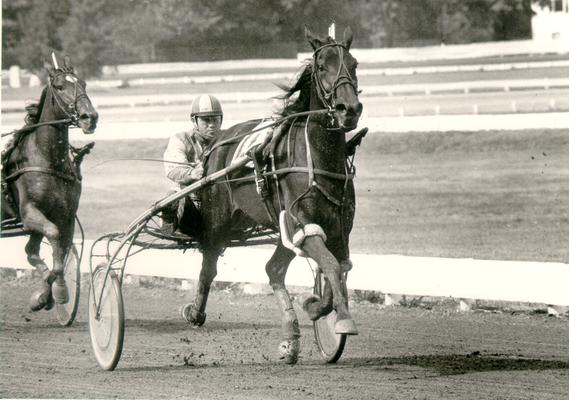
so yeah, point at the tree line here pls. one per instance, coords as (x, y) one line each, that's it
(107, 32)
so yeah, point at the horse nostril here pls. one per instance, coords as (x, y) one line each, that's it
(359, 109)
(89, 116)
(341, 108)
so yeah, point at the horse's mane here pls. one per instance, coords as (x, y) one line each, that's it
(34, 109)
(32, 117)
(302, 85)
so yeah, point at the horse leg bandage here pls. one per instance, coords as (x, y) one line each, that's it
(299, 236)
(307, 231)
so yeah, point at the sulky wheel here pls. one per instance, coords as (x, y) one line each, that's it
(106, 319)
(72, 271)
(330, 343)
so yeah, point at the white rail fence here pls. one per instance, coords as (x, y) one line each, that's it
(512, 281)
(363, 71)
(155, 99)
(429, 123)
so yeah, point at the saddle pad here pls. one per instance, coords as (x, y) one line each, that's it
(263, 130)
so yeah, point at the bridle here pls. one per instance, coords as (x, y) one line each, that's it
(343, 77)
(69, 109)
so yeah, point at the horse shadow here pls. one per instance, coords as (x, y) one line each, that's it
(172, 326)
(457, 364)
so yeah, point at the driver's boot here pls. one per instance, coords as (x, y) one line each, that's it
(169, 219)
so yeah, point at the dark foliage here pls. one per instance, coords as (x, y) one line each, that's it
(107, 32)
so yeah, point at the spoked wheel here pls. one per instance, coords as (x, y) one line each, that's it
(106, 326)
(72, 271)
(330, 343)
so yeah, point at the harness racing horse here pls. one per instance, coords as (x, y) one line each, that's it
(308, 179)
(42, 179)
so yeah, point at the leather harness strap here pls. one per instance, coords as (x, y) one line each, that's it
(49, 171)
(304, 170)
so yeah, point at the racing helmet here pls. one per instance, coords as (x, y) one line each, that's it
(206, 105)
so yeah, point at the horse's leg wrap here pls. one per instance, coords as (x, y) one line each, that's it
(59, 292)
(299, 236)
(307, 231)
(290, 326)
(289, 349)
(276, 270)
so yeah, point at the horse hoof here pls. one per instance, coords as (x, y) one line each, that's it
(192, 315)
(40, 300)
(50, 304)
(59, 292)
(346, 327)
(289, 350)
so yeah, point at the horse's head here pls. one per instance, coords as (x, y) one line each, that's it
(334, 76)
(70, 95)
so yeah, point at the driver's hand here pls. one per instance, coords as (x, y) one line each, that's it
(197, 172)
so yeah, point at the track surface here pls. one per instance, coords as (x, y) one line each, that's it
(401, 352)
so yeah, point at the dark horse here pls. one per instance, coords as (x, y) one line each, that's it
(308, 178)
(43, 182)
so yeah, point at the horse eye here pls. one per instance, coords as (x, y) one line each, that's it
(320, 67)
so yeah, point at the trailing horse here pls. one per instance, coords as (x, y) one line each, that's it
(307, 190)
(43, 181)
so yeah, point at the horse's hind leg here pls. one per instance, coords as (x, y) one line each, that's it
(41, 298)
(316, 249)
(195, 313)
(276, 270)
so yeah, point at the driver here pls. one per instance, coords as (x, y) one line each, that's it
(183, 163)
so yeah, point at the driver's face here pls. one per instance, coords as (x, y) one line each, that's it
(209, 125)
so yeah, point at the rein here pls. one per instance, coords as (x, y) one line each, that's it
(273, 124)
(26, 128)
(48, 171)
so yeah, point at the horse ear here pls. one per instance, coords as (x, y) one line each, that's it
(348, 37)
(67, 63)
(48, 67)
(313, 40)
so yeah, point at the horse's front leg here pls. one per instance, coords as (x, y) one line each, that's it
(195, 313)
(318, 307)
(276, 270)
(54, 282)
(315, 248)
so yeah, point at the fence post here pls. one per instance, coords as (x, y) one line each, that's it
(14, 75)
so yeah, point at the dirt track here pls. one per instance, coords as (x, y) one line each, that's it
(401, 353)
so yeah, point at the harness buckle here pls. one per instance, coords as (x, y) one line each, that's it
(261, 185)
